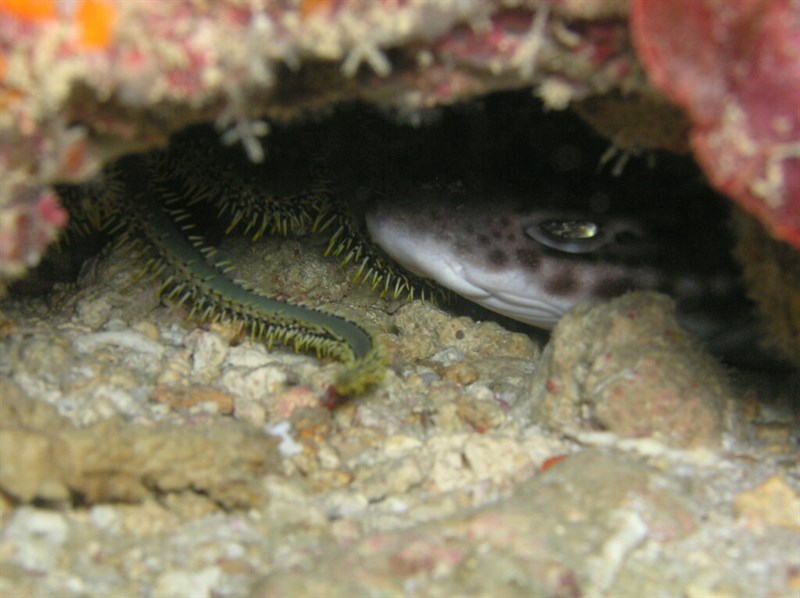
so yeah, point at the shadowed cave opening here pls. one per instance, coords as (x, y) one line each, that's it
(503, 143)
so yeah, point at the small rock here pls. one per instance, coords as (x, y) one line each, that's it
(772, 503)
(460, 373)
(249, 411)
(394, 478)
(149, 329)
(209, 354)
(27, 469)
(35, 538)
(95, 311)
(178, 583)
(254, 384)
(46, 357)
(125, 339)
(481, 415)
(627, 366)
(185, 398)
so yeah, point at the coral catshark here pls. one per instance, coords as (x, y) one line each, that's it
(532, 260)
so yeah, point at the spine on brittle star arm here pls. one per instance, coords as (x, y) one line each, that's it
(191, 278)
(354, 248)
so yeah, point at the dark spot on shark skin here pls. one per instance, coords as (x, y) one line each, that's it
(563, 283)
(498, 257)
(529, 258)
(483, 239)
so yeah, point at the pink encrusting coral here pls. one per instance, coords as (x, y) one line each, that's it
(734, 67)
(27, 225)
(82, 82)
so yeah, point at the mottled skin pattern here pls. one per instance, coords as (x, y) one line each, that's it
(510, 253)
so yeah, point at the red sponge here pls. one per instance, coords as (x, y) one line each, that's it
(734, 68)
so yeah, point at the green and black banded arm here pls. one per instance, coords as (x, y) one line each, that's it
(213, 296)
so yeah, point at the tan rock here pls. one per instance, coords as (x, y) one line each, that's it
(773, 502)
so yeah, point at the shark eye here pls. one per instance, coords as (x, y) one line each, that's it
(568, 235)
(570, 230)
